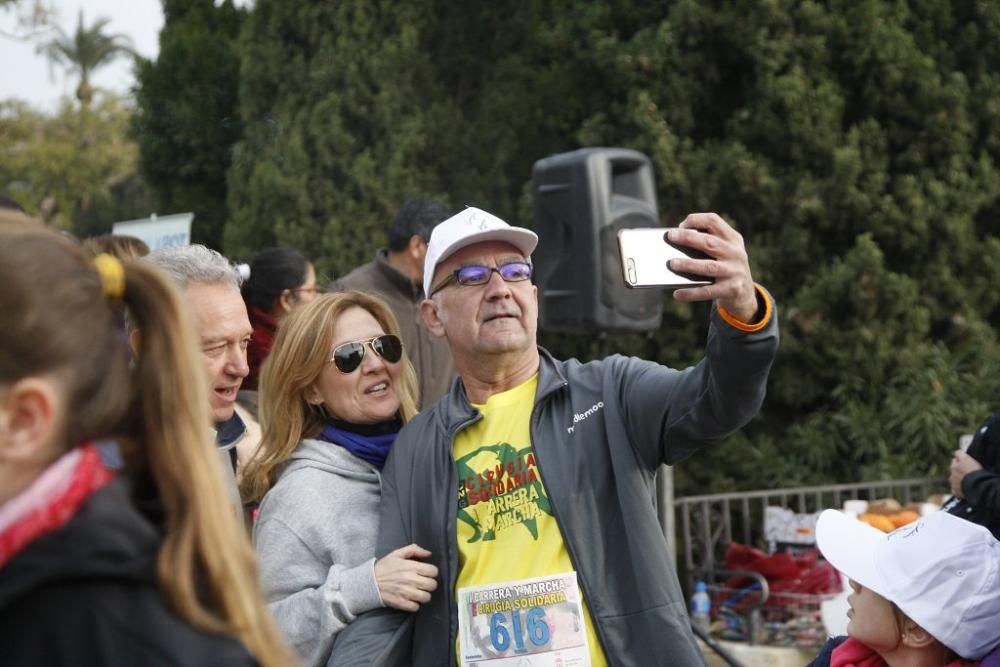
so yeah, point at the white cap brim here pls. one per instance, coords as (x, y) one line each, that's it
(524, 240)
(850, 545)
(470, 226)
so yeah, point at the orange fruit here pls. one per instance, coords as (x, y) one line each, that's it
(902, 518)
(879, 521)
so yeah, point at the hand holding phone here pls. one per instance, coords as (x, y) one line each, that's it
(646, 253)
(733, 288)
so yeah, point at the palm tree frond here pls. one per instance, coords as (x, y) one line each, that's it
(87, 50)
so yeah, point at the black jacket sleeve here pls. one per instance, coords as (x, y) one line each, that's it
(380, 636)
(982, 490)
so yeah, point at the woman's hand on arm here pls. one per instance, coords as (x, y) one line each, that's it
(404, 582)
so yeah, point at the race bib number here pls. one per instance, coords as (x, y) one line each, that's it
(526, 623)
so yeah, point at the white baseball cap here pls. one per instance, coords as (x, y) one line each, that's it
(471, 225)
(941, 571)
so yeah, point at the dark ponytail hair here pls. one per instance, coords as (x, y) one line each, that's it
(272, 271)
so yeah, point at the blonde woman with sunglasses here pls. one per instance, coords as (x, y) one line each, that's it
(334, 392)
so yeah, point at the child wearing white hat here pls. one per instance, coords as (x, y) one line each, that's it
(925, 595)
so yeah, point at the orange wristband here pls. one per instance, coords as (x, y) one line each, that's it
(750, 327)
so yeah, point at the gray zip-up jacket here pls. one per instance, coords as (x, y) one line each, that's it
(599, 431)
(315, 541)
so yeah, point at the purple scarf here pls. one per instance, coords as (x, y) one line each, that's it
(369, 442)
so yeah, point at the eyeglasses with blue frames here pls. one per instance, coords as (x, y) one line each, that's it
(347, 357)
(476, 274)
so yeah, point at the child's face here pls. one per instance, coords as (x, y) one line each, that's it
(872, 619)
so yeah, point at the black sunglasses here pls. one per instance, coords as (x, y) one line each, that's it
(347, 357)
(475, 274)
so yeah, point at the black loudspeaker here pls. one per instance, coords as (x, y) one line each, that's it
(582, 199)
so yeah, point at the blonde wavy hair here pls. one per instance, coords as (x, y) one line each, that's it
(301, 350)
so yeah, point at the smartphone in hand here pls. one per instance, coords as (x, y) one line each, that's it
(645, 252)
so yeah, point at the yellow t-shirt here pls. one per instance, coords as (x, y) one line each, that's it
(506, 529)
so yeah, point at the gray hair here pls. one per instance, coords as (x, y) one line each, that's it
(194, 264)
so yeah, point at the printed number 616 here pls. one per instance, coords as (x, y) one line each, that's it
(533, 624)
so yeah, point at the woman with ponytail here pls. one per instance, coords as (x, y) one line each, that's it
(334, 392)
(147, 568)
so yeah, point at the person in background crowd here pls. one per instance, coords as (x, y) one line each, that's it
(534, 467)
(975, 478)
(148, 569)
(121, 246)
(334, 393)
(280, 279)
(211, 289)
(396, 274)
(975, 488)
(924, 595)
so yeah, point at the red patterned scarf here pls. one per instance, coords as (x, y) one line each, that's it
(853, 653)
(51, 500)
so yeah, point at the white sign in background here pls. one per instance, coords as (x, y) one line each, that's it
(158, 231)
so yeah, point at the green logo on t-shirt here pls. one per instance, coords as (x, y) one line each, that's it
(498, 488)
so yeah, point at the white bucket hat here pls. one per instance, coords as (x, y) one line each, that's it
(472, 225)
(941, 571)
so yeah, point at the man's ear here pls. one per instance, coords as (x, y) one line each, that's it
(431, 316)
(284, 302)
(416, 252)
(915, 636)
(416, 247)
(28, 420)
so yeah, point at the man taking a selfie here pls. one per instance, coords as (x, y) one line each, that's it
(532, 482)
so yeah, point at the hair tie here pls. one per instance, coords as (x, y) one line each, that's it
(112, 274)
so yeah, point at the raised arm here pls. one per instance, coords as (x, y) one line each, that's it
(671, 412)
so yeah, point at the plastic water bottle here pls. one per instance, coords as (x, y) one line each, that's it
(701, 606)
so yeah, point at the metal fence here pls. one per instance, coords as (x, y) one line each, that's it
(708, 523)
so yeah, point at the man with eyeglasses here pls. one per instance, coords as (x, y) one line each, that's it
(532, 482)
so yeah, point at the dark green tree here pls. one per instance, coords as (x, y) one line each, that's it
(853, 143)
(186, 121)
(844, 141)
(343, 121)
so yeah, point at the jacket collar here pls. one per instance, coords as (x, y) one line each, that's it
(550, 374)
(227, 433)
(457, 410)
(395, 277)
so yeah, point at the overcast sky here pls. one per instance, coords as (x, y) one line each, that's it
(25, 74)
